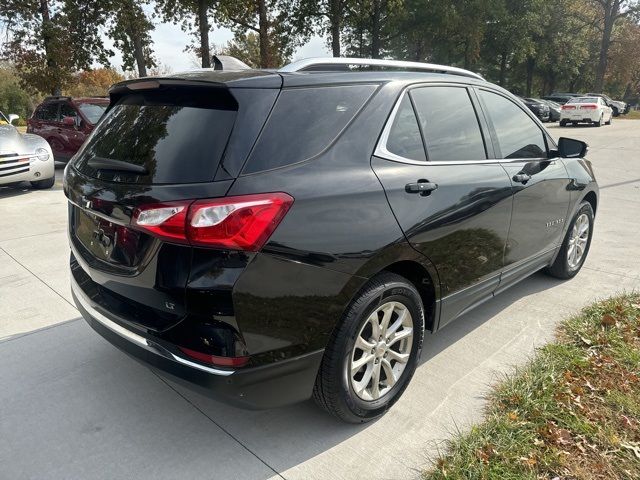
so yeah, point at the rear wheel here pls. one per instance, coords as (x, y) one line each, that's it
(374, 351)
(44, 184)
(563, 123)
(600, 121)
(610, 120)
(575, 246)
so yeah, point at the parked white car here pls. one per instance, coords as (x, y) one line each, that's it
(24, 157)
(592, 110)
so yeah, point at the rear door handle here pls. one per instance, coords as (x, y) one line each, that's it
(423, 187)
(521, 178)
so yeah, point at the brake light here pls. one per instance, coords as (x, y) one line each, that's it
(239, 223)
(214, 359)
(568, 107)
(589, 107)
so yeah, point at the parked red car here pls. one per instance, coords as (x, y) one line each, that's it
(66, 122)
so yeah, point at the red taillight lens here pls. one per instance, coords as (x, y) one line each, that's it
(166, 220)
(214, 359)
(568, 107)
(239, 223)
(589, 107)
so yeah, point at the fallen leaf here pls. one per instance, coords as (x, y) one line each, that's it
(608, 321)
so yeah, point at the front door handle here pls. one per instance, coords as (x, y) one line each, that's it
(423, 187)
(521, 178)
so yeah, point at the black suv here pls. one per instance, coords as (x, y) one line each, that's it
(269, 236)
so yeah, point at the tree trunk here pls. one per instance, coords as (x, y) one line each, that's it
(531, 65)
(334, 20)
(138, 53)
(375, 29)
(56, 88)
(203, 26)
(263, 34)
(503, 69)
(609, 19)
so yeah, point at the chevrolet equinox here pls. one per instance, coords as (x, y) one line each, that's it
(270, 236)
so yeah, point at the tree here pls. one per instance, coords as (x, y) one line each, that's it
(371, 27)
(274, 32)
(246, 47)
(93, 83)
(50, 39)
(610, 12)
(191, 14)
(130, 31)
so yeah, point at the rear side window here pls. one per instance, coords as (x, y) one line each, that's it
(67, 110)
(92, 111)
(48, 112)
(178, 135)
(304, 122)
(404, 136)
(518, 135)
(449, 124)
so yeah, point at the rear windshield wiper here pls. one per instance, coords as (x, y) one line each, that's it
(101, 163)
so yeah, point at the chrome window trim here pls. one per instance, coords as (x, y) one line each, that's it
(135, 338)
(382, 152)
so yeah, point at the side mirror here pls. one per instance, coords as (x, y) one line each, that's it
(69, 121)
(571, 148)
(13, 117)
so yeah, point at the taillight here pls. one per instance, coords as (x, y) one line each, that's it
(214, 359)
(239, 223)
(568, 107)
(589, 107)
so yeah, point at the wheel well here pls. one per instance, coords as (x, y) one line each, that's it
(592, 199)
(420, 278)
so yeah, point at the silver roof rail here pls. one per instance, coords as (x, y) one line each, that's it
(335, 63)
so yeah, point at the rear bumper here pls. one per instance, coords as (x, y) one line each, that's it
(269, 386)
(581, 117)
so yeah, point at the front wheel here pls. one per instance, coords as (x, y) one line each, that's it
(575, 246)
(563, 123)
(373, 352)
(43, 184)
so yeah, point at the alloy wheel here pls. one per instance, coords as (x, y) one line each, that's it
(578, 241)
(381, 351)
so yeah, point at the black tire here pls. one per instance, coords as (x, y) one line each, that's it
(563, 123)
(616, 112)
(44, 184)
(610, 121)
(560, 268)
(600, 122)
(333, 390)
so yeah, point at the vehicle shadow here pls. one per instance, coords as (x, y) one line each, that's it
(65, 386)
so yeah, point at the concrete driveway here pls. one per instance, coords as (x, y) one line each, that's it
(74, 407)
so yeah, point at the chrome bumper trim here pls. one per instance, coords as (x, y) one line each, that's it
(138, 339)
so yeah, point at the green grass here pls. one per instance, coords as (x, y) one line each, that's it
(573, 412)
(632, 115)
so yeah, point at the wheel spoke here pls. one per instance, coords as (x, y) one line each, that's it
(396, 325)
(389, 373)
(386, 317)
(398, 357)
(363, 345)
(375, 381)
(404, 333)
(362, 361)
(361, 385)
(375, 325)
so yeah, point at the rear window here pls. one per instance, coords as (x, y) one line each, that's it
(304, 122)
(48, 112)
(178, 135)
(584, 100)
(92, 111)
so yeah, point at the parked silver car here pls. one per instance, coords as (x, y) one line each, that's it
(24, 157)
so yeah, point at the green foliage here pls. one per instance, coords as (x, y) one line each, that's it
(246, 47)
(131, 34)
(13, 98)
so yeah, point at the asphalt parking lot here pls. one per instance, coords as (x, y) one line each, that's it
(74, 407)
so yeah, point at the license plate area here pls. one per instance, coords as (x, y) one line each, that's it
(108, 241)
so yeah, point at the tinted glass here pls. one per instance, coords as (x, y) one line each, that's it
(518, 135)
(92, 111)
(304, 122)
(449, 124)
(67, 110)
(178, 135)
(585, 100)
(404, 137)
(48, 112)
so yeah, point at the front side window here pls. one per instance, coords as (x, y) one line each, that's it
(518, 135)
(404, 136)
(449, 124)
(48, 112)
(67, 110)
(92, 111)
